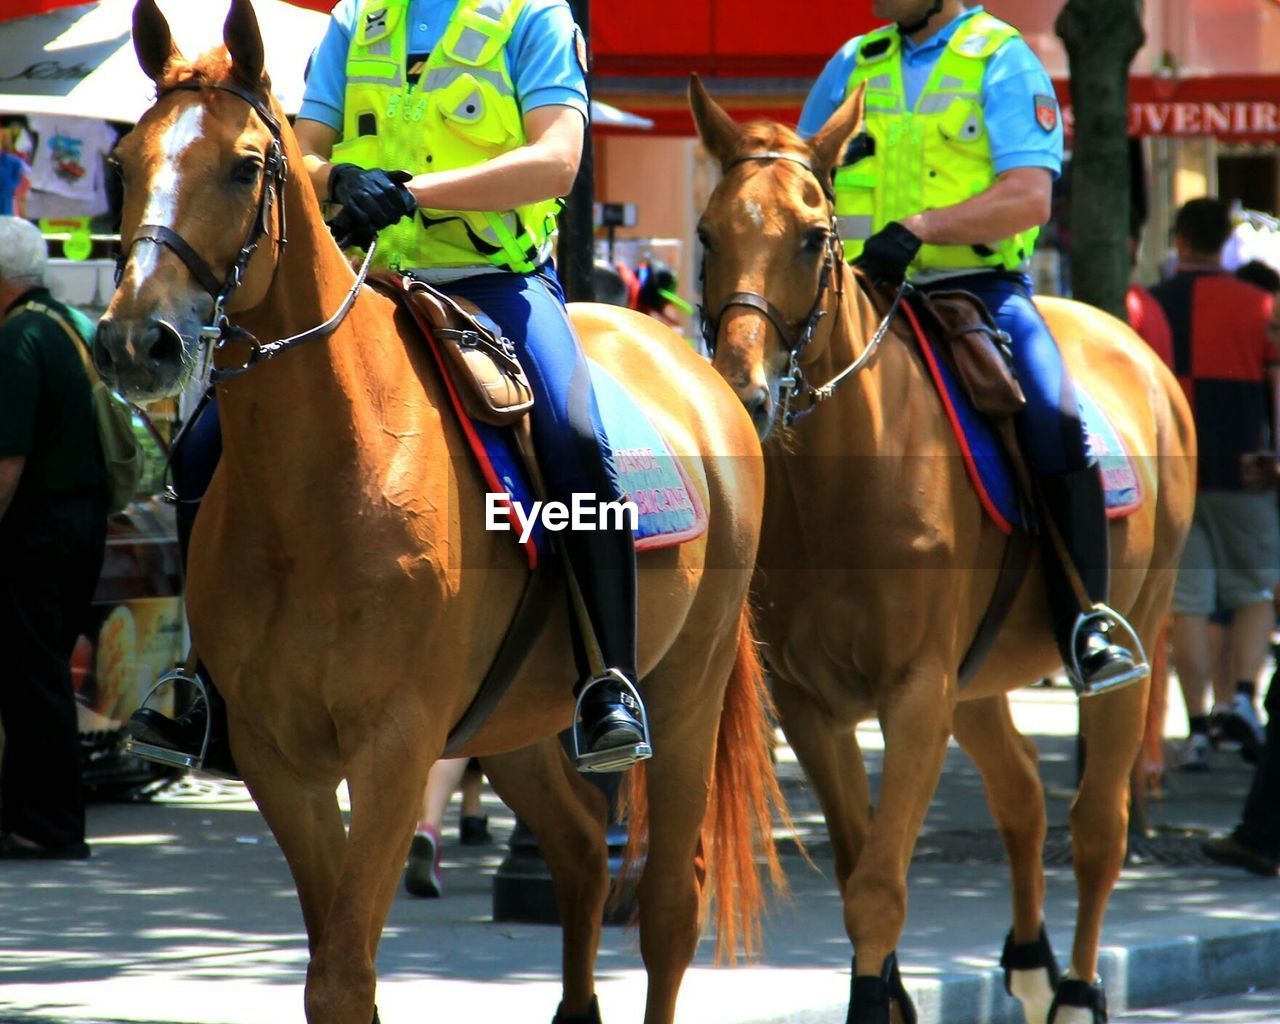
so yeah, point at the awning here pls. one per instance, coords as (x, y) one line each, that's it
(1231, 108)
(79, 60)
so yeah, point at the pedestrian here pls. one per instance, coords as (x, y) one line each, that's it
(448, 130)
(53, 521)
(422, 875)
(947, 185)
(1225, 355)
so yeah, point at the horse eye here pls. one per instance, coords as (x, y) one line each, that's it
(246, 171)
(816, 240)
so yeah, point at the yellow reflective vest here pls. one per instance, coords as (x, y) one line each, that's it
(462, 111)
(937, 154)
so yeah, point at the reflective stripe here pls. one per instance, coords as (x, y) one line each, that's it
(854, 228)
(439, 78)
(973, 46)
(938, 102)
(880, 82)
(494, 9)
(470, 45)
(950, 82)
(382, 48)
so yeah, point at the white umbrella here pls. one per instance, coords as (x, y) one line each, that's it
(79, 60)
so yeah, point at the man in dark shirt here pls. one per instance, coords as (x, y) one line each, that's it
(52, 535)
(1225, 358)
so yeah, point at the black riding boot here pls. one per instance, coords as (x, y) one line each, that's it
(179, 741)
(1093, 658)
(610, 730)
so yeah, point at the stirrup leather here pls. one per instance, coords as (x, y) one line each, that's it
(615, 759)
(1108, 619)
(166, 755)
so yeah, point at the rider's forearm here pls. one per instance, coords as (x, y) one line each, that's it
(1018, 200)
(519, 177)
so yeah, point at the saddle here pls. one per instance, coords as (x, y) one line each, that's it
(482, 364)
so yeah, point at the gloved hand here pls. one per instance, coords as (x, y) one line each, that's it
(376, 198)
(887, 254)
(350, 228)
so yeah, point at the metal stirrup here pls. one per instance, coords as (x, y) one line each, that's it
(165, 755)
(1108, 618)
(615, 758)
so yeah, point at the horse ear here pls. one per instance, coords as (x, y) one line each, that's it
(152, 41)
(243, 40)
(718, 131)
(829, 142)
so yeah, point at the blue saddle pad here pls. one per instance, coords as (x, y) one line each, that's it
(669, 506)
(989, 468)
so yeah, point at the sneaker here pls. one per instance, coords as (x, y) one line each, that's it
(1194, 755)
(1231, 851)
(422, 869)
(1240, 725)
(473, 830)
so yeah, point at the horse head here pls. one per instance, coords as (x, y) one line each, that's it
(771, 257)
(202, 171)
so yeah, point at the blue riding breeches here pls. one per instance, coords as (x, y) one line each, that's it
(1049, 427)
(573, 450)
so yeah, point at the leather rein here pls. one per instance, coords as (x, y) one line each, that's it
(220, 331)
(797, 335)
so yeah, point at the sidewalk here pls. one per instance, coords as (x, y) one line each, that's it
(186, 913)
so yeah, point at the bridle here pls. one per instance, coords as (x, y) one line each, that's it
(797, 335)
(219, 331)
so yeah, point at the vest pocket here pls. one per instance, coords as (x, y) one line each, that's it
(473, 109)
(963, 122)
(363, 151)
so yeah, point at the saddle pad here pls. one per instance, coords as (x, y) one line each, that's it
(988, 465)
(670, 508)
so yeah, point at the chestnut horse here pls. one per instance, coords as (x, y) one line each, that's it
(343, 588)
(877, 563)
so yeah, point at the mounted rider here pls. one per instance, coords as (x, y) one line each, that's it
(946, 186)
(449, 130)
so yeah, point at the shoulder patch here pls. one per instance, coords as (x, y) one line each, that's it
(874, 47)
(580, 49)
(1046, 111)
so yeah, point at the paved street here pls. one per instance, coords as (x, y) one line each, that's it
(186, 913)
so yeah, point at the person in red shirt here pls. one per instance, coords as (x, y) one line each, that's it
(1226, 360)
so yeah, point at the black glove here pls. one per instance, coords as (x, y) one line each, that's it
(350, 228)
(887, 254)
(376, 198)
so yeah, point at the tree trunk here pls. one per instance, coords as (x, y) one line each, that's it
(1101, 37)
(575, 252)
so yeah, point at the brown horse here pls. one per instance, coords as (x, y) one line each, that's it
(877, 563)
(344, 591)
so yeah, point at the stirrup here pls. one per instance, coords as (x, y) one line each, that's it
(166, 755)
(615, 759)
(1108, 618)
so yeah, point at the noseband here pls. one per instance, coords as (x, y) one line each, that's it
(219, 330)
(797, 336)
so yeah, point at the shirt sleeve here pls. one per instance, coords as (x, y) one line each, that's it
(547, 52)
(828, 91)
(1023, 121)
(326, 86)
(19, 394)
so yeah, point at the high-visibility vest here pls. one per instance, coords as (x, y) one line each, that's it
(938, 154)
(461, 112)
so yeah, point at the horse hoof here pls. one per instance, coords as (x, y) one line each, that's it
(872, 997)
(1078, 1002)
(1031, 975)
(592, 1016)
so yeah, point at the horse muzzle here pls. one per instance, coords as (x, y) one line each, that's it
(143, 361)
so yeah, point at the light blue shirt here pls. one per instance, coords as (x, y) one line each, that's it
(1011, 85)
(542, 56)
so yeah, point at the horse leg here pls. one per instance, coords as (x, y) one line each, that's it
(386, 772)
(832, 761)
(1007, 761)
(1112, 725)
(915, 716)
(305, 819)
(568, 816)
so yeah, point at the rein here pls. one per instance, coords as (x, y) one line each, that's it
(798, 335)
(219, 330)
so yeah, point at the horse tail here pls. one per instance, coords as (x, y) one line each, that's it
(743, 798)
